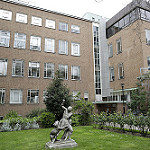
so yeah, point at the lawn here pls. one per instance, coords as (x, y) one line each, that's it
(87, 138)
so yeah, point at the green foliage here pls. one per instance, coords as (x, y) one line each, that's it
(75, 120)
(47, 119)
(56, 93)
(35, 113)
(11, 114)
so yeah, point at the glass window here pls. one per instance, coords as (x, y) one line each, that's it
(121, 23)
(75, 72)
(147, 32)
(63, 47)
(34, 69)
(50, 24)
(18, 68)
(20, 41)
(120, 71)
(36, 21)
(3, 67)
(110, 48)
(112, 75)
(126, 19)
(33, 96)
(35, 43)
(49, 45)
(2, 96)
(5, 14)
(119, 46)
(44, 95)
(49, 70)
(86, 96)
(4, 38)
(21, 18)
(75, 49)
(63, 26)
(75, 29)
(63, 72)
(15, 96)
(148, 62)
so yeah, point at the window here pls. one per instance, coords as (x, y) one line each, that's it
(48, 70)
(147, 32)
(3, 67)
(36, 21)
(44, 95)
(20, 41)
(50, 24)
(35, 43)
(34, 69)
(76, 95)
(63, 47)
(4, 38)
(63, 26)
(5, 14)
(148, 62)
(75, 73)
(49, 45)
(75, 29)
(15, 96)
(120, 71)
(2, 96)
(63, 72)
(86, 96)
(112, 75)
(119, 47)
(75, 49)
(21, 18)
(33, 96)
(18, 68)
(110, 49)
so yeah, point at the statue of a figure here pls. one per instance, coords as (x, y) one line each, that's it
(63, 124)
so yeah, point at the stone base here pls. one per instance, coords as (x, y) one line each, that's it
(61, 144)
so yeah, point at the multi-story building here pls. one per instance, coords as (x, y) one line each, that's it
(34, 43)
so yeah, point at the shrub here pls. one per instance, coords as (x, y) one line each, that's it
(11, 114)
(47, 119)
(75, 120)
(35, 113)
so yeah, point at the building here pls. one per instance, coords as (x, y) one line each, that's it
(34, 43)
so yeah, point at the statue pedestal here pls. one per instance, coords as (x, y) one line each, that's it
(61, 144)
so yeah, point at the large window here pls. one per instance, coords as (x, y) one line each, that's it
(35, 43)
(112, 75)
(4, 38)
(34, 69)
(36, 21)
(5, 14)
(49, 70)
(63, 26)
(63, 72)
(110, 49)
(18, 68)
(75, 49)
(21, 18)
(147, 32)
(75, 72)
(20, 41)
(2, 96)
(121, 71)
(63, 47)
(33, 96)
(119, 46)
(15, 96)
(148, 62)
(49, 45)
(75, 29)
(50, 24)
(3, 67)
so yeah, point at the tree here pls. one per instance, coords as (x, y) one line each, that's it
(55, 94)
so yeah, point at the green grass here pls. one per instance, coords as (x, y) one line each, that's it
(87, 138)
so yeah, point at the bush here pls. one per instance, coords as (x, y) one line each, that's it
(35, 113)
(75, 120)
(47, 119)
(11, 114)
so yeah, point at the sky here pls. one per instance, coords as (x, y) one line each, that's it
(105, 8)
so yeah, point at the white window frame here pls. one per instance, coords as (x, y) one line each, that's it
(65, 69)
(119, 47)
(35, 98)
(44, 95)
(14, 70)
(34, 65)
(63, 26)
(2, 96)
(35, 43)
(75, 70)
(63, 47)
(5, 14)
(50, 24)
(110, 49)
(4, 38)
(147, 34)
(22, 18)
(51, 68)
(75, 49)
(3, 67)
(49, 45)
(75, 28)
(86, 95)
(37, 21)
(112, 74)
(20, 40)
(120, 66)
(19, 96)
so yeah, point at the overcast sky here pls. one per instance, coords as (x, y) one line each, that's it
(105, 8)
